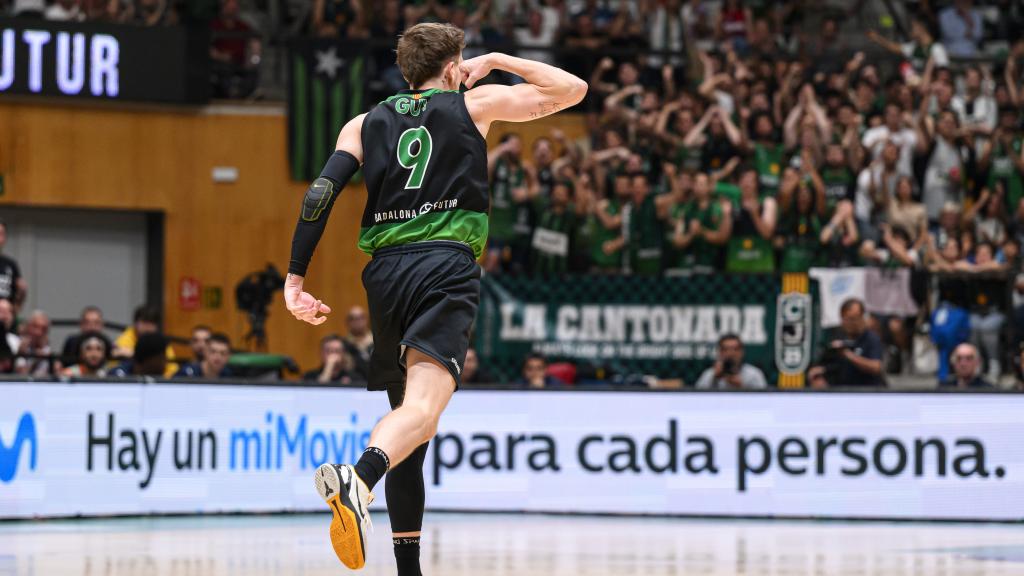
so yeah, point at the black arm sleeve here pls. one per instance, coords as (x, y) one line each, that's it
(316, 207)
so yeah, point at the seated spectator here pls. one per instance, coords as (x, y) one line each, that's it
(837, 179)
(586, 39)
(359, 340)
(896, 250)
(1020, 370)
(749, 249)
(1018, 307)
(589, 233)
(12, 285)
(608, 238)
(549, 254)
(91, 356)
(729, 370)
(966, 370)
(894, 131)
(989, 216)
(949, 226)
(145, 320)
(471, 371)
(214, 363)
(90, 321)
(921, 47)
(817, 377)
(337, 18)
(234, 54)
(943, 259)
(646, 229)
(875, 185)
(856, 357)
(35, 355)
(11, 338)
(904, 213)
(703, 225)
(987, 305)
(149, 358)
(65, 11)
(429, 11)
(145, 12)
(941, 150)
(800, 234)
(29, 9)
(198, 341)
(717, 136)
(1001, 158)
(962, 28)
(537, 34)
(840, 237)
(336, 364)
(512, 191)
(535, 373)
(950, 327)
(975, 106)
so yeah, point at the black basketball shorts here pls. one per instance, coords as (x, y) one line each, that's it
(422, 296)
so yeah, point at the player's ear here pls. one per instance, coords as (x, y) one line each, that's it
(454, 74)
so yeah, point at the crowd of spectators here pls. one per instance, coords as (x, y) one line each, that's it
(724, 136)
(761, 150)
(143, 350)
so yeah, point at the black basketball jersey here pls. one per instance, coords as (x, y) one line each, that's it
(425, 166)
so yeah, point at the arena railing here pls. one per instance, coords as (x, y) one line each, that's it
(933, 281)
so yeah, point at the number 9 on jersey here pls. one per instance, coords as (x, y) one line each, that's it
(414, 154)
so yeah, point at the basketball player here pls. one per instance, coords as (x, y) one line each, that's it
(424, 158)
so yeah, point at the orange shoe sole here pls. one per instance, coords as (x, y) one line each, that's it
(345, 535)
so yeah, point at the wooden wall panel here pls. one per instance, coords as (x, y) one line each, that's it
(216, 233)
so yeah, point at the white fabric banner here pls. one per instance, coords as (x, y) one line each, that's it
(835, 286)
(68, 449)
(888, 292)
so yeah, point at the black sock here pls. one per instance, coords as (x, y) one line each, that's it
(407, 555)
(372, 465)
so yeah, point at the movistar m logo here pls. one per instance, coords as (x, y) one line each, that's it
(10, 454)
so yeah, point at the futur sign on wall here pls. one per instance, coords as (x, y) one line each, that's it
(102, 62)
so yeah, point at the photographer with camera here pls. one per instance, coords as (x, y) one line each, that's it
(729, 371)
(253, 296)
(855, 358)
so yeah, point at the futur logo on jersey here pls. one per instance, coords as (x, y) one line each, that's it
(10, 453)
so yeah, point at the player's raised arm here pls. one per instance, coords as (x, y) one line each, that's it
(316, 207)
(546, 91)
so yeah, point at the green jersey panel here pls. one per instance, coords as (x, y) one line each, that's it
(425, 164)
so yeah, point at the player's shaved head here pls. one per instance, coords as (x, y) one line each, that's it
(424, 49)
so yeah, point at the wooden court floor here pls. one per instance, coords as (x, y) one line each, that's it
(513, 545)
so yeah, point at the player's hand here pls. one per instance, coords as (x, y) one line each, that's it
(477, 68)
(301, 304)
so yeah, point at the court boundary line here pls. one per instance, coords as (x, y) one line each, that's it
(445, 511)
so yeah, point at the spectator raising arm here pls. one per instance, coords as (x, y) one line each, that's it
(1010, 74)
(731, 131)
(763, 215)
(615, 100)
(720, 236)
(842, 222)
(599, 86)
(696, 137)
(884, 42)
(791, 127)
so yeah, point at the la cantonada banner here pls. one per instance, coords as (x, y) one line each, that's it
(667, 327)
(124, 448)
